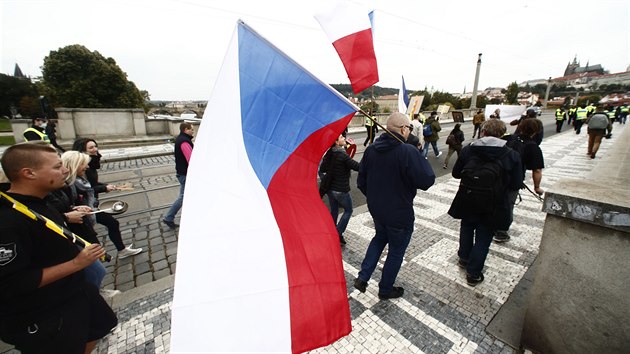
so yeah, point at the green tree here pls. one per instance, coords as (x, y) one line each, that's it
(74, 76)
(13, 92)
(511, 94)
(370, 106)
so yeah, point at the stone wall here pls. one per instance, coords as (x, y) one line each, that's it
(580, 297)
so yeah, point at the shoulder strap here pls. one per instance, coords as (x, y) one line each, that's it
(51, 225)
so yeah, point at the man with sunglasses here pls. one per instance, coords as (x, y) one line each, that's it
(390, 174)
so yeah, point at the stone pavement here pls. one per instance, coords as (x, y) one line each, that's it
(439, 313)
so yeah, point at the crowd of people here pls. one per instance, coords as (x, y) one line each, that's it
(40, 264)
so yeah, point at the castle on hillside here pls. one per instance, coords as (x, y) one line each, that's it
(575, 68)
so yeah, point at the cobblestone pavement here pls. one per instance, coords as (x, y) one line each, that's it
(439, 313)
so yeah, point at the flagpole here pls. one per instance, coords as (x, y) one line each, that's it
(380, 126)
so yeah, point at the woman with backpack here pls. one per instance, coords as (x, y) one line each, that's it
(454, 142)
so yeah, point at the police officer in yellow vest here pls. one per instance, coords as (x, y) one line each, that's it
(624, 110)
(371, 128)
(590, 109)
(580, 117)
(560, 117)
(36, 131)
(571, 115)
(610, 112)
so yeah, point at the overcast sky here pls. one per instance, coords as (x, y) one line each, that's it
(174, 48)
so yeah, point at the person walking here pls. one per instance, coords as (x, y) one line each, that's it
(430, 132)
(183, 151)
(390, 174)
(488, 169)
(560, 117)
(339, 166)
(478, 120)
(597, 124)
(371, 128)
(454, 141)
(531, 159)
(46, 305)
(90, 147)
(51, 132)
(581, 114)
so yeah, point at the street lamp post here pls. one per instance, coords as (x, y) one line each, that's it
(473, 100)
(547, 93)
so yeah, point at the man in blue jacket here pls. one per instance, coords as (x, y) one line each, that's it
(390, 174)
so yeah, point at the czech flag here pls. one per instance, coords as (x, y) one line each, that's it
(259, 265)
(403, 98)
(349, 29)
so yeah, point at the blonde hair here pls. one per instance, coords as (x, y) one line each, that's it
(73, 160)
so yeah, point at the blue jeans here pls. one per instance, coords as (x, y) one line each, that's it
(94, 273)
(398, 239)
(177, 204)
(425, 150)
(474, 244)
(344, 200)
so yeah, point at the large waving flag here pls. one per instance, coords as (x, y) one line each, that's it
(259, 265)
(403, 98)
(349, 29)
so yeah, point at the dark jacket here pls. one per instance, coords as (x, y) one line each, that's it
(340, 167)
(459, 139)
(181, 165)
(92, 175)
(390, 174)
(512, 178)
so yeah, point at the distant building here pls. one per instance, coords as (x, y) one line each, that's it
(389, 101)
(575, 68)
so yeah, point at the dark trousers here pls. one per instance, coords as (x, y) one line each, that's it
(398, 240)
(371, 131)
(578, 125)
(559, 125)
(113, 229)
(474, 243)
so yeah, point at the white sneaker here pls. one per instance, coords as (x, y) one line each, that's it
(128, 252)
(439, 154)
(107, 293)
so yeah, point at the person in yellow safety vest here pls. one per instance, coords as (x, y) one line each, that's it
(571, 115)
(560, 117)
(610, 112)
(590, 109)
(623, 113)
(371, 128)
(36, 131)
(580, 117)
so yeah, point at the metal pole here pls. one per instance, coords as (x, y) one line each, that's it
(547, 93)
(473, 100)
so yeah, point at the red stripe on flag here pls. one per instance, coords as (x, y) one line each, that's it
(358, 57)
(318, 296)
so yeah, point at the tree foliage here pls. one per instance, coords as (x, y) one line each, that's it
(16, 92)
(511, 94)
(74, 76)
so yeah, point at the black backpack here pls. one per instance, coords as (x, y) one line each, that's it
(482, 187)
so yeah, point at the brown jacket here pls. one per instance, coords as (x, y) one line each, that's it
(479, 118)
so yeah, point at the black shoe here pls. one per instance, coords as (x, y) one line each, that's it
(473, 281)
(342, 240)
(462, 263)
(360, 285)
(170, 224)
(396, 292)
(501, 237)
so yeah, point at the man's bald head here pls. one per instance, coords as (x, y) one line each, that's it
(397, 120)
(399, 123)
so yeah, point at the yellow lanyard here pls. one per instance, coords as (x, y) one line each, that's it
(56, 228)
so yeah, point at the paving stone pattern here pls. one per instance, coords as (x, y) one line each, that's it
(439, 312)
